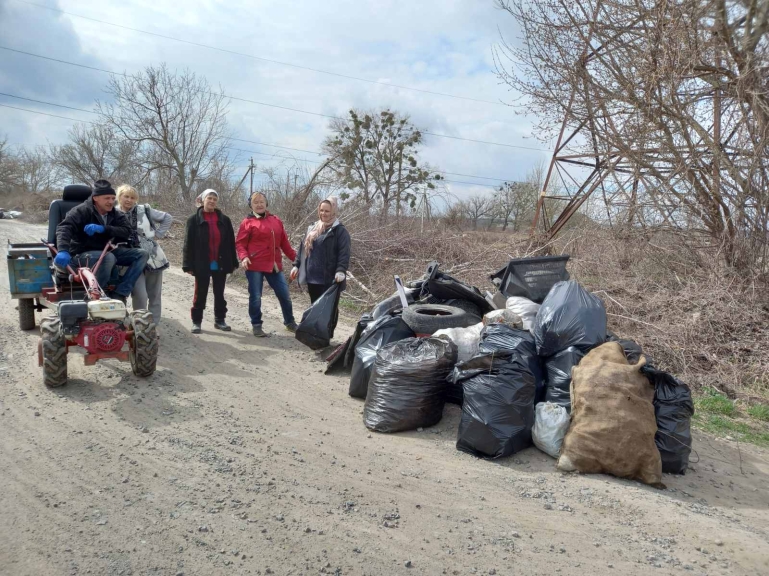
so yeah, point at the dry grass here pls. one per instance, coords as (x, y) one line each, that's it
(704, 322)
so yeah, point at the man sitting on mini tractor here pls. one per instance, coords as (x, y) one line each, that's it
(86, 230)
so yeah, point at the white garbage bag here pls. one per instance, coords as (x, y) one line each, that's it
(551, 422)
(466, 340)
(525, 308)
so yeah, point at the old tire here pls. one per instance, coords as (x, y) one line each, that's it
(469, 307)
(143, 353)
(27, 313)
(54, 348)
(429, 318)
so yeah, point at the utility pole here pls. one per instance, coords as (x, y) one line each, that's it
(424, 210)
(251, 170)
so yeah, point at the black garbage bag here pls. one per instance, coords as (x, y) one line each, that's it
(317, 326)
(498, 408)
(342, 358)
(454, 393)
(375, 336)
(362, 324)
(446, 287)
(673, 408)
(632, 349)
(558, 376)
(569, 316)
(500, 338)
(407, 389)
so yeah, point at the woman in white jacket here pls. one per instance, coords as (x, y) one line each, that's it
(148, 224)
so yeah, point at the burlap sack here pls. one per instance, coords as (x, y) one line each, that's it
(612, 418)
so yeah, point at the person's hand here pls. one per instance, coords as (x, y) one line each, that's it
(187, 272)
(294, 273)
(340, 277)
(245, 263)
(92, 229)
(62, 259)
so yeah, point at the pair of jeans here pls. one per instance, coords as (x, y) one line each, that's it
(202, 282)
(135, 259)
(278, 283)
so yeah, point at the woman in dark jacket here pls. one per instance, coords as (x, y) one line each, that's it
(324, 254)
(209, 255)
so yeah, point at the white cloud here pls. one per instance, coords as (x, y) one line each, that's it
(436, 45)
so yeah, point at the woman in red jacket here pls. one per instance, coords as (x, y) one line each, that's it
(261, 237)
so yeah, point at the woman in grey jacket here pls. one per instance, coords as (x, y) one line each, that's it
(148, 224)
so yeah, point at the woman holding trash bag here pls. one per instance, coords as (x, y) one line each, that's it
(209, 255)
(324, 253)
(148, 224)
(261, 237)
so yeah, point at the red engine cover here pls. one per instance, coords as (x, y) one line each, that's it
(103, 337)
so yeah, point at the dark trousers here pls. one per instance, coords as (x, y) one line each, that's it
(201, 294)
(318, 290)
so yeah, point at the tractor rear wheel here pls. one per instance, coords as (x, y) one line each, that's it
(143, 352)
(26, 313)
(54, 348)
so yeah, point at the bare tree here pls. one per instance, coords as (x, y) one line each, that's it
(455, 215)
(673, 98)
(515, 203)
(376, 155)
(9, 167)
(37, 172)
(98, 152)
(176, 116)
(478, 206)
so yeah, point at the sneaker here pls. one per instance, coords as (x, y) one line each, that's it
(291, 327)
(222, 325)
(257, 331)
(196, 328)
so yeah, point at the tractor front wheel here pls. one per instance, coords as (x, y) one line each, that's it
(144, 349)
(54, 348)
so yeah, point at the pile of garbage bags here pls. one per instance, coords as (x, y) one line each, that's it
(545, 372)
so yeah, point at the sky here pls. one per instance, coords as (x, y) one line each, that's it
(430, 45)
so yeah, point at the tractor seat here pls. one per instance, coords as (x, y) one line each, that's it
(73, 195)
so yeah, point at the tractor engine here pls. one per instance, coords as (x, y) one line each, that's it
(102, 337)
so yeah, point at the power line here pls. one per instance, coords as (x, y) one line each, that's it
(46, 114)
(47, 103)
(316, 162)
(321, 153)
(287, 108)
(235, 139)
(260, 58)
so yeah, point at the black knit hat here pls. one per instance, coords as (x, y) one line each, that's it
(102, 188)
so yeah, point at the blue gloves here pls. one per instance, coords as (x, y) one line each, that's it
(92, 229)
(62, 259)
